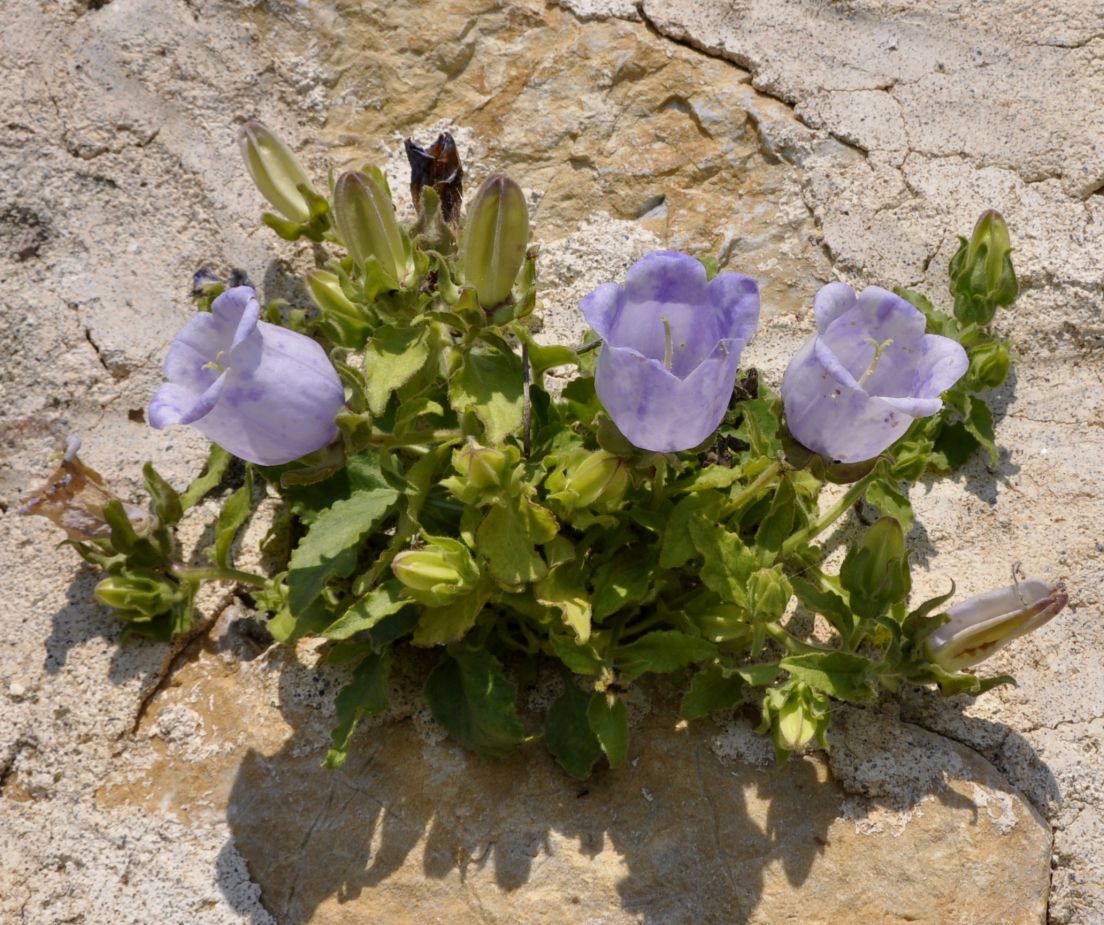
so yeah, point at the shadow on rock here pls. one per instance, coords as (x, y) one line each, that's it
(416, 829)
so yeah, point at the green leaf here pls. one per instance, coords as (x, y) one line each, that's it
(361, 472)
(827, 603)
(777, 525)
(489, 384)
(567, 732)
(979, 424)
(760, 425)
(661, 652)
(450, 622)
(369, 610)
(624, 581)
(331, 546)
(843, 675)
(713, 689)
(166, 502)
(469, 695)
(581, 659)
(507, 536)
(728, 562)
(887, 497)
(393, 356)
(365, 695)
(235, 511)
(564, 588)
(677, 547)
(218, 460)
(953, 447)
(609, 721)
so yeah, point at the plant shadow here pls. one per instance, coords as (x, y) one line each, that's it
(415, 829)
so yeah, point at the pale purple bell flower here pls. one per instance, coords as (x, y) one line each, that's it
(266, 394)
(671, 347)
(867, 374)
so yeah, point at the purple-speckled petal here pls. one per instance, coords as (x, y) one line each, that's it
(276, 398)
(831, 302)
(844, 405)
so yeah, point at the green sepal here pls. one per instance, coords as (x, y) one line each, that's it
(166, 501)
(218, 461)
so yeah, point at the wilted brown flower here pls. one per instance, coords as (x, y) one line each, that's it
(74, 499)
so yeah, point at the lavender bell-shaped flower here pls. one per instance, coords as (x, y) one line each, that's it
(266, 394)
(869, 371)
(671, 347)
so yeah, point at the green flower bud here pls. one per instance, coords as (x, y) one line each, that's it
(143, 594)
(349, 320)
(796, 714)
(366, 222)
(275, 171)
(485, 468)
(982, 276)
(875, 573)
(989, 363)
(496, 236)
(600, 479)
(439, 572)
(768, 593)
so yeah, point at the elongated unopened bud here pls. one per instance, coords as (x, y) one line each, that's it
(986, 623)
(496, 235)
(275, 170)
(366, 222)
(601, 478)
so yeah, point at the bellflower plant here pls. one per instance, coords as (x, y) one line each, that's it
(671, 345)
(869, 371)
(464, 506)
(266, 394)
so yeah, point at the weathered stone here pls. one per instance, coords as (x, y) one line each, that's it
(121, 179)
(699, 826)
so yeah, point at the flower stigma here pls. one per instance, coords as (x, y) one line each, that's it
(668, 344)
(879, 349)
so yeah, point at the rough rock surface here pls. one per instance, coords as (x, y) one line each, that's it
(803, 141)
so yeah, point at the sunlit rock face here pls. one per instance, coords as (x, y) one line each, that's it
(124, 180)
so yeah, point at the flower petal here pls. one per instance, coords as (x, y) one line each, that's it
(602, 307)
(736, 298)
(925, 368)
(177, 404)
(666, 276)
(187, 362)
(831, 302)
(655, 409)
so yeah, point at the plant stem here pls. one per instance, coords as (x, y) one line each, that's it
(391, 442)
(790, 642)
(764, 478)
(833, 513)
(219, 574)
